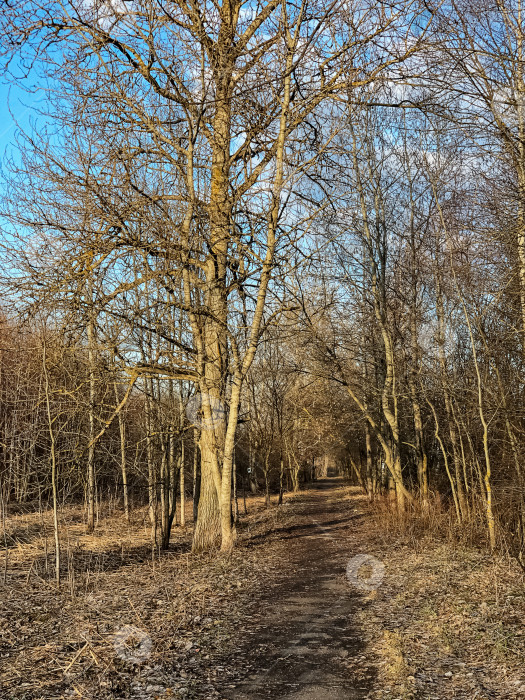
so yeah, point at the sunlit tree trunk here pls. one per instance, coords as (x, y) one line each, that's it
(123, 463)
(90, 525)
(52, 453)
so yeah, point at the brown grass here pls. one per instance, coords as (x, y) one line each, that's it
(57, 644)
(448, 619)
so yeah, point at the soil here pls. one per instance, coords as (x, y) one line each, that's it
(281, 617)
(306, 639)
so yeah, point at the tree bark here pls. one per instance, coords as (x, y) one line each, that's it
(90, 525)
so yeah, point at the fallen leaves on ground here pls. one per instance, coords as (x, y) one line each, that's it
(446, 622)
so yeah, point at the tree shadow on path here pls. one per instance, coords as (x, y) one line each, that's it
(305, 643)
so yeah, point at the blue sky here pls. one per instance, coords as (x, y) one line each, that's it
(19, 103)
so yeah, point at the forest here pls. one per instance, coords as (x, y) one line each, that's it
(262, 282)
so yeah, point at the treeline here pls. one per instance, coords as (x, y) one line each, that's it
(290, 234)
(135, 442)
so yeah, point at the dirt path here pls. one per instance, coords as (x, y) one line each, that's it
(277, 619)
(305, 641)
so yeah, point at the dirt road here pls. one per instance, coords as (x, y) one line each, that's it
(306, 644)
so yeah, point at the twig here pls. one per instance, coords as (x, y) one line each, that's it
(77, 655)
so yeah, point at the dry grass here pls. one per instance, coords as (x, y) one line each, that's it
(58, 644)
(438, 521)
(447, 622)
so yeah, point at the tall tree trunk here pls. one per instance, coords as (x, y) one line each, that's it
(207, 528)
(453, 484)
(421, 455)
(235, 499)
(489, 514)
(519, 160)
(90, 525)
(165, 491)
(370, 480)
(182, 484)
(152, 477)
(123, 465)
(196, 474)
(357, 471)
(281, 476)
(54, 475)
(172, 466)
(449, 408)
(267, 499)
(389, 401)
